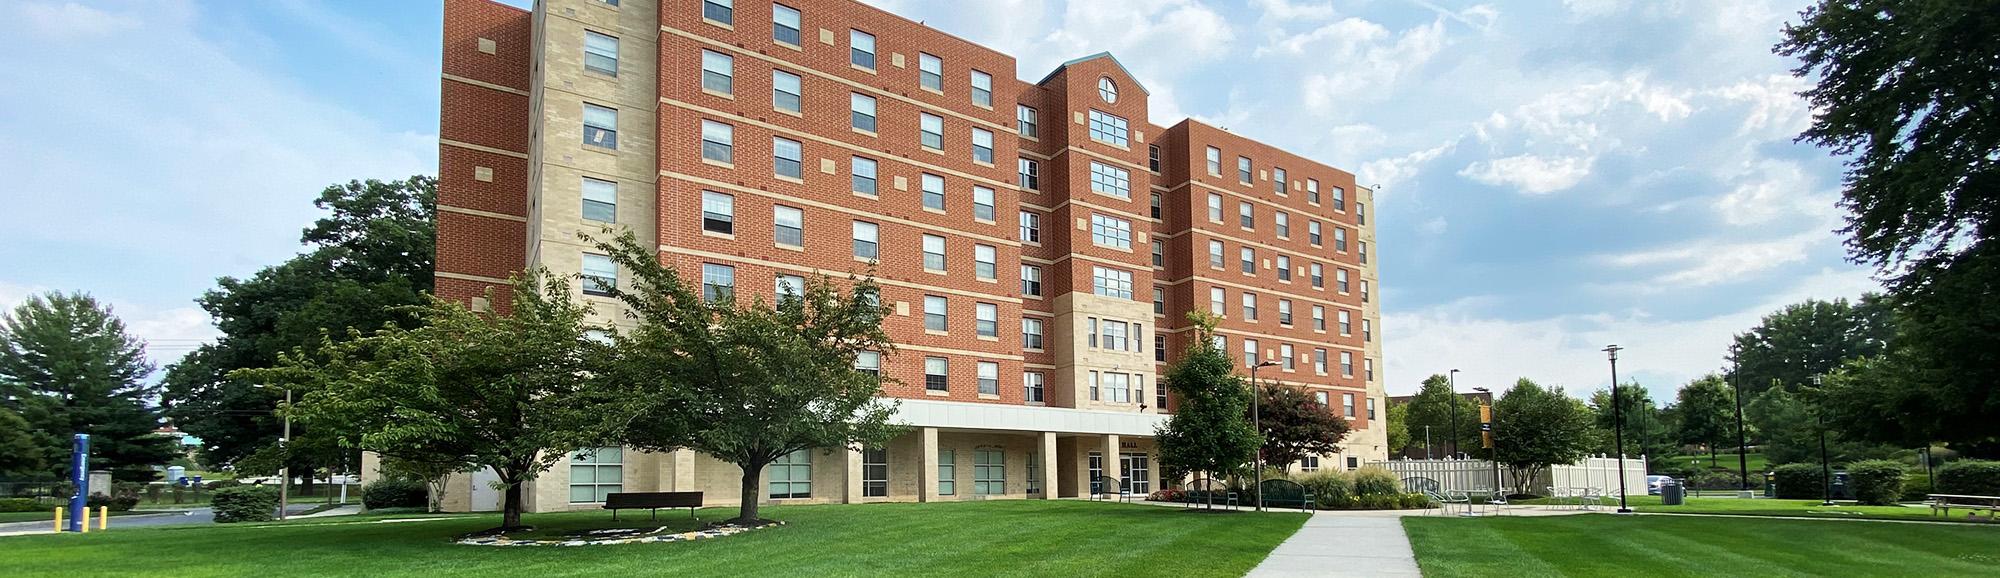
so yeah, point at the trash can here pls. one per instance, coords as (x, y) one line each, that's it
(1670, 494)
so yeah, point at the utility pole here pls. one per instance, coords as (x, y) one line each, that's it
(1453, 380)
(1742, 442)
(1825, 466)
(1618, 426)
(1257, 423)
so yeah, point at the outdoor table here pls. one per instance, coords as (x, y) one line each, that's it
(1947, 501)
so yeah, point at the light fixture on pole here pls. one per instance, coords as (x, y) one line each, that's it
(1451, 445)
(1492, 445)
(1825, 467)
(1618, 425)
(1742, 442)
(1257, 423)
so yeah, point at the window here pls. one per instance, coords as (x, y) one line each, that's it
(947, 472)
(930, 71)
(1246, 215)
(1346, 326)
(1367, 331)
(874, 472)
(786, 158)
(723, 11)
(1249, 261)
(1278, 180)
(869, 362)
(1319, 361)
(935, 371)
(1219, 342)
(600, 53)
(1117, 384)
(600, 274)
(1368, 367)
(1214, 161)
(1159, 253)
(1250, 356)
(1320, 397)
(1108, 128)
(933, 187)
(1360, 214)
(982, 89)
(595, 473)
(785, 24)
(861, 49)
(789, 287)
(1340, 279)
(982, 146)
(982, 203)
(1031, 333)
(1215, 254)
(718, 72)
(1025, 121)
(1309, 464)
(1215, 300)
(1031, 280)
(1156, 205)
(1159, 301)
(1339, 196)
(865, 241)
(1364, 291)
(1347, 404)
(600, 200)
(1361, 250)
(1312, 191)
(1092, 333)
(1249, 306)
(1153, 157)
(989, 378)
(935, 309)
(600, 126)
(1312, 233)
(1031, 227)
(864, 175)
(1030, 174)
(983, 262)
(1318, 276)
(1032, 384)
(1107, 90)
(989, 472)
(1243, 169)
(784, 91)
(862, 111)
(1112, 282)
(1215, 207)
(1285, 355)
(788, 226)
(1160, 355)
(934, 252)
(931, 130)
(1109, 180)
(1110, 231)
(1371, 405)
(1347, 364)
(718, 213)
(1340, 239)
(718, 142)
(1319, 318)
(791, 476)
(718, 282)
(1284, 267)
(1113, 335)
(1285, 311)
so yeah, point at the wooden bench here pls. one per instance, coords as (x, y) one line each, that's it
(652, 501)
(1943, 503)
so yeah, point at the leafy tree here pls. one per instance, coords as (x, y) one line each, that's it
(1295, 425)
(1398, 427)
(1810, 338)
(369, 263)
(1649, 429)
(1707, 414)
(511, 392)
(1905, 89)
(434, 476)
(21, 453)
(1432, 406)
(1210, 432)
(748, 381)
(1790, 430)
(67, 366)
(1536, 427)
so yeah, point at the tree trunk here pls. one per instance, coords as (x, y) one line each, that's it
(510, 516)
(746, 513)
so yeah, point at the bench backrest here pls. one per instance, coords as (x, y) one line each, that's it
(653, 500)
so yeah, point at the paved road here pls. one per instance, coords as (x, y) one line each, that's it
(201, 515)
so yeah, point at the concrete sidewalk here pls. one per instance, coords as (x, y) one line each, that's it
(1336, 545)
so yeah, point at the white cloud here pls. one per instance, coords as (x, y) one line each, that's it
(1777, 110)
(1532, 174)
(1434, 226)
(1394, 171)
(1357, 61)
(72, 20)
(1287, 10)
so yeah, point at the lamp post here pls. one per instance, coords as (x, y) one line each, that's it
(1825, 466)
(1742, 443)
(1618, 425)
(285, 468)
(1257, 423)
(1427, 441)
(1493, 449)
(1452, 444)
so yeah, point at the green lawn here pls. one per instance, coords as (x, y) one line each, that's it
(50, 515)
(1608, 545)
(996, 538)
(1774, 507)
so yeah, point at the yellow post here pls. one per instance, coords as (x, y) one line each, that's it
(103, 517)
(59, 512)
(86, 520)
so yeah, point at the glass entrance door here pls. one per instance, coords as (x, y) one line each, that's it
(1138, 473)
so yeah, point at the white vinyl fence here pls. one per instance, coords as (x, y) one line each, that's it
(1474, 475)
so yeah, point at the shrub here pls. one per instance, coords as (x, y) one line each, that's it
(1166, 495)
(1798, 481)
(1876, 482)
(1971, 478)
(245, 504)
(1417, 501)
(23, 505)
(395, 493)
(116, 504)
(1376, 481)
(1331, 489)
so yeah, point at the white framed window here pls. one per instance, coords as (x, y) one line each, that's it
(1031, 227)
(930, 71)
(1215, 207)
(982, 203)
(1109, 180)
(1119, 385)
(1153, 157)
(1319, 318)
(866, 243)
(1285, 354)
(1283, 221)
(1309, 464)
(1215, 258)
(989, 378)
(863, 169)
(934, 252)
(722, 11)
(983, 260)
(787, 158)
(1318, 275)
(718, 282)
(1368, 366)
(1312, 191)
(1360, 214)
(785, 91)
(785, 24)
(1246, 215)
(1364, 290)
(1109, 128)
(1371, 405)
(1159, 301)
(1112, 282)
(1032, 385)
(1340, 239)
(862, 111)
(937, 313)
(1110, 231)
(1278, 180)
(1347, 364)
(1285, 311)
(1216, 300)
(791, 476)
(600, 53)
(1312, 233)
(1319, 361)
(1031, 280)
(861, 49)
(1030, 172)
(1250, 355)
(933, 191)
(1113, 335)
(1156, 205)
(600, 200)
(1249, 306)
(600, 274)
(600, 126)
(789, 287)
(930, 129)
(1249, 261)
(1215, 163)
(1026, 121)
(982, 146)
(1031, 333)
(1347, 405)
(718, 142)
(718, 72)
(1284, 267)
(788, 226)
(1340, 279)
(1367, 330)
(982, 89)
(1339, 199)
(937, 373)
(1346, 326)
(718, 213)
(595, 473)
(869, 362)
(1243, 172)
(1361, 250)
(1159, 253)
(986, 321)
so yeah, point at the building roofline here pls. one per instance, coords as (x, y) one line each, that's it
(1114, 62)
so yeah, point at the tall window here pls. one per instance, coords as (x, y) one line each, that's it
(933, 191)
(1246, 215)
(1031, 333)
(1156, 205)
(718, 142)
(791, 476)
(989, 472)
(1371, 406)
(935, 313)
(1347, 364)
(866, 244)
(982, 146)
(989, 378)
(1368, 366)
(723, 11)
(1340, 239)
(1109, 180)
(1214, 161)
(600, 53)
(1159, 301)
(600, 274)
(864, 175)
(1215, 300)
(1285, 311)
(1283, 221)
(1347, 404)
(1367, 330)
(1312, 191)
(1339, 198)
(931, 130)
(1249, 306)
(1312, 233)
(1346, 326)
(983, 262)
(787, 158)
(1215, 255)
(1032, 384)
(982, 89)
(1243, 169)
(1160, 355)
(1249, 261)
(600, 126)
(982, 203)
(1318, 275)
(785, 24)
(788, 226)
(1319, 361)
(1278, 180)
(861, 49)
(1250, 355)
(1153, 157)
(862, 109)
(936, 369)
(1109, 128)
(789, 287)
(1159, 253)
(1364, 290)
(1361, 250)
(947, 472)
(595, 473)
(869, 362)
(1025, 121)
(1360, 214)
(1285, 356)
(875, 472)
(1284, 267)
(1319, 318)
(784, 91)
(1112, 282)
(718, 282)
(1340, 279)
(718, 213)
(1030, 174)
(1031, 227)
(718, 72)
(934, 252)
(1110, 231)
(930, 71)
(600, 200)
(1215, 207)
(1031, 281)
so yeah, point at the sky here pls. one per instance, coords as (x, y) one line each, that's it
(1553, 176)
